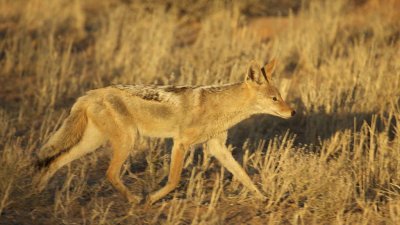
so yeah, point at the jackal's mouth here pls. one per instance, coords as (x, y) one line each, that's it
(282, 116)
(285, 117)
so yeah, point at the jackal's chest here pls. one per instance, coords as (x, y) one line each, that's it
(205, 129)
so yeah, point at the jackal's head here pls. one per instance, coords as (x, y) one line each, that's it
(267, 99)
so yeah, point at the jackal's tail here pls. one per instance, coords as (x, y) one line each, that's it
(69, 134)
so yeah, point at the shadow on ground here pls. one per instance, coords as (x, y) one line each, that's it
(310, 129)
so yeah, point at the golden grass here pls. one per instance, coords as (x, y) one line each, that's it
(337, 162)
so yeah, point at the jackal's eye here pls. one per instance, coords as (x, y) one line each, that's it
(275, 99)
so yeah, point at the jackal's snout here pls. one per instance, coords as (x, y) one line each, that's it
(287, 112)
(292, 113)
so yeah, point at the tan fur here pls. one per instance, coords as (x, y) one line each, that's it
(63, 140)
(188, 114)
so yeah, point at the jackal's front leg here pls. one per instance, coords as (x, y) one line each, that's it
(177, 157)
(217, 148)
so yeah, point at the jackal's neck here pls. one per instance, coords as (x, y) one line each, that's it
(230, 105)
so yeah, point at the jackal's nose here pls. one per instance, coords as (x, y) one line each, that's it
(293, 113)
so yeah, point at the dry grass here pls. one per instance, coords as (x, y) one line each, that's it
(338, 162)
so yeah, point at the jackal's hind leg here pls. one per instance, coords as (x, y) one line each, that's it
(177, 157)
(91, 140)
(217, 148)
(121, 148)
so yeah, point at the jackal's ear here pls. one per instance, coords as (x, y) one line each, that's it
(268, 69)
(254, 73)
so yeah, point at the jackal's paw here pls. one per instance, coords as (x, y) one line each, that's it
(150, 200)
(147, 201)
(134, 199)
(262, 198)
(38, 183)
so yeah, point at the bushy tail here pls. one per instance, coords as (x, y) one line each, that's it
(69, 134)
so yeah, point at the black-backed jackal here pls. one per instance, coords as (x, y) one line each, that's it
(188, 114)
